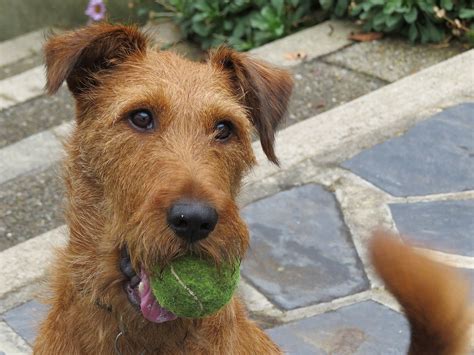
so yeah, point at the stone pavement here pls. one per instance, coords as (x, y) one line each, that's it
(400, 157)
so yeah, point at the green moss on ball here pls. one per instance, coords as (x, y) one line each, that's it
(192, 287)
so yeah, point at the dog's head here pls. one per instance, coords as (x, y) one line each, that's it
(161, 143)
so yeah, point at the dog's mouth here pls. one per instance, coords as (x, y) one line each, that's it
(139, 292)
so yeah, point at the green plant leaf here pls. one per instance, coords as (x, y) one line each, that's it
(412, 33)
(199, 17)
(379, 19)
(326, 4)
(203, 6)
(425, 35)
(436, 34)
(278, 6)
(393, 21)
(201, 29)
(356, 10)
(426, 6)
(341, 7)
(470, 37)
(411, 16)
(466, 14)
(447, 4)
(391, 6)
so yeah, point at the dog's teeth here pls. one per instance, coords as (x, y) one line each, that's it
(140, 287)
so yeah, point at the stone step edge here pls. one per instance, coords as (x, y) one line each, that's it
(18, 159)
(23, 46)
(361, 123)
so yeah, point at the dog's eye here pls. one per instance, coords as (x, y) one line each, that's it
(142, 120)
(224, 130)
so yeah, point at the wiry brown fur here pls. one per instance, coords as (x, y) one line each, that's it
(120, 183)
(433, 296)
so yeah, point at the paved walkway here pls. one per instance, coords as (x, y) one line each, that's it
(400, 157)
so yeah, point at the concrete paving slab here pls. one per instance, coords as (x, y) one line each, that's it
(30, 205)
(36, 115)
(20, 66)
(435, 156)
(313, 42)
(300, 253)
(392, 59)
(163, 32)
(320, 87)
(38, 151)
(22, 87)
(468, 274)
(27, 262)
(25, 319)
(365, 328)
(27, 292)
(439, 225)
(21, 47)
(11, 343)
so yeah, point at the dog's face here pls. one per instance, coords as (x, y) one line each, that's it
(164, 141)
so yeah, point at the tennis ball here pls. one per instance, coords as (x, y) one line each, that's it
(191, 287)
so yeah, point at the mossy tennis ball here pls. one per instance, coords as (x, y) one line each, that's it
(191, 287)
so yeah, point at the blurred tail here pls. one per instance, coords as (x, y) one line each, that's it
(433, 296)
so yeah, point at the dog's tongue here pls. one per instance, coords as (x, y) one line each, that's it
(149, 306)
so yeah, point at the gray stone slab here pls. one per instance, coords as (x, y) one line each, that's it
(30, 205)
(27, 264)
(22, 47)
(25, 319)
(312, 42)
(468, 274)
(22, 87)
(301, 252)
(36, 152)
(365, 328)
(20, 66)
(33, 116)
(442, 225)
(391, 59)
(10, 342)
(320, 87)
(435, 156)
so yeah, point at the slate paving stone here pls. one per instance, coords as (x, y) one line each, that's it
(442, 225)
(391, 59)
(301, 252)
(435, 156)
(30, 205)
(365, 328)
(25, 319)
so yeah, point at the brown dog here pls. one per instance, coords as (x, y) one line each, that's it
(152, 172)
(153, 169)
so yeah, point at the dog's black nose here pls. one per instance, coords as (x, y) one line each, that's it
(192, 220)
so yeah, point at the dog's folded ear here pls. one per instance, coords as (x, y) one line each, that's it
(79, 55)
(263, 89)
